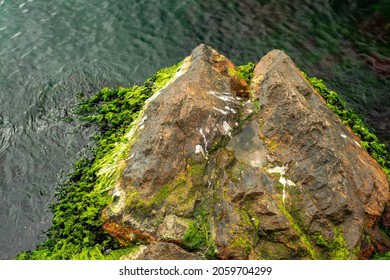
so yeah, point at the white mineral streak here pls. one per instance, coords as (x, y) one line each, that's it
(227, 130)
(205, 151)
(278, 169)
(221, 111)
(199, 150)
(224, 96)
(357, 143)
(204, 139)
(230, 109)
(281, 170)
(144, 118)
(121, 199)
(117, 193)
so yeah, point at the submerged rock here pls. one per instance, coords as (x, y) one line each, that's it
(233, 172)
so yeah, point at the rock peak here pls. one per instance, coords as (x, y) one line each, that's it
(236, 172)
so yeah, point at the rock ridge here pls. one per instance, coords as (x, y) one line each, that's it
(226, 170)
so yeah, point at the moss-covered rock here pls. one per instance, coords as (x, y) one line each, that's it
(209, 160)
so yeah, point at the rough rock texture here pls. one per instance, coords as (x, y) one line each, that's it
(165, 251)
(179, 127)
(336, 183)
(238, 173)
(386, 217)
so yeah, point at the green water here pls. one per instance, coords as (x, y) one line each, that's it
(51, 50)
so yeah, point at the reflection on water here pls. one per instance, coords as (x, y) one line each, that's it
(50, 50)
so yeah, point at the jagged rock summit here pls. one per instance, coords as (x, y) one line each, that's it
(221, 169)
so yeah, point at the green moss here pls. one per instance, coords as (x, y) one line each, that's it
(243, 243)
(194, 238)
(384, 256)
(162, 194)
(179, 193)
(256, 105)
(197, 170)
(163, 76)
(272, 144)
(77, 231)
(349, 117)
(279, 187)
(198, 236)
(337, 248)
(309, 246)
(235, 172)
(246, 71)
(247, 239)
(166, 191)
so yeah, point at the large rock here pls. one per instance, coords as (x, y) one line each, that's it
(165, 251)
(179, 128)
(338, 189)
(237, 173)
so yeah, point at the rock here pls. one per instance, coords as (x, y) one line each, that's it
(379, 241)
(386, 217)
(180, 126)
(173, 228)
(165, 251)
(338, 188)
(231, 172)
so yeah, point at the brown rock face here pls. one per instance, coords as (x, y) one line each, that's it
(336, 183)
(165, 251)
(237, 173)
(180, 126)
(386, 217)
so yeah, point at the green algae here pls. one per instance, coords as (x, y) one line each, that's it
(179, 193)
(337, 248)
(246, 72)
(384, 256)
(244, 244)
(249, 239)
(309, 246)
(198, 236)
(77, 231)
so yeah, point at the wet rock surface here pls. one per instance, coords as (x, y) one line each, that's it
(165, 251)
(236, 172)
(338, 188)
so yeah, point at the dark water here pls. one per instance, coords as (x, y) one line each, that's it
(50, 50)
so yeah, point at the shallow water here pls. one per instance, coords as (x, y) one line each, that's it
(51, 50)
